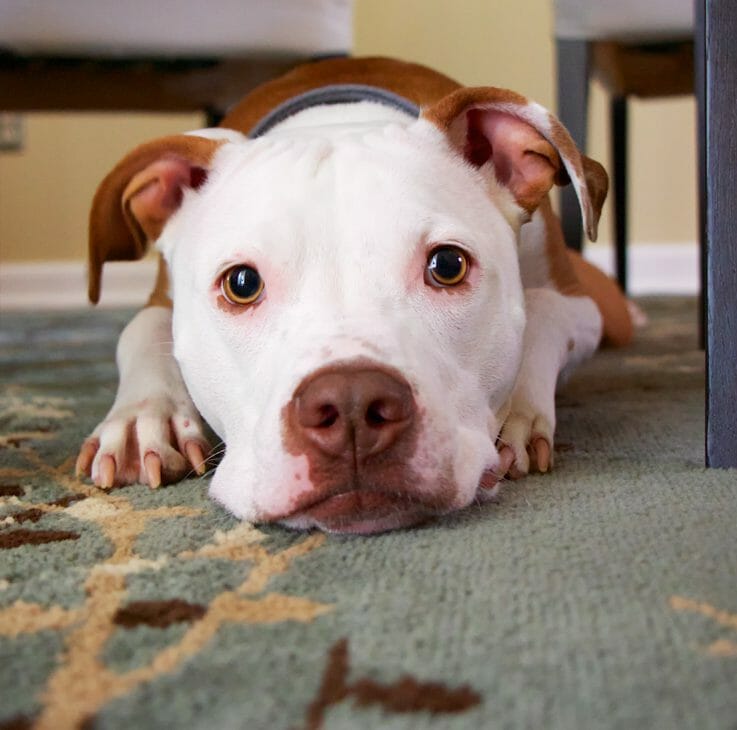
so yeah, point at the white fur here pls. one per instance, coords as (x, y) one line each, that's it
(151, 399)
(345, 280)
(533, 261)
(561, 332)
(338, 209)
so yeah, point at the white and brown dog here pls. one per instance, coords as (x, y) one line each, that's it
(363, 290)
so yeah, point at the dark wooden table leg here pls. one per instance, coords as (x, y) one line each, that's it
(717, 23)
(619, 141)
(700, 91)
(573, 104)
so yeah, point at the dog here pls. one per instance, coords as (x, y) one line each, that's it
(363, 290)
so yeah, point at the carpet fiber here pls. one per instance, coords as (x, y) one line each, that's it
(603, 595)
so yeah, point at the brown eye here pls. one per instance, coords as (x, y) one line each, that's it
(447, 266)
(242, 285)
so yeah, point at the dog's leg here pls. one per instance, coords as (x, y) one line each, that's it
(561, 331)
(153, 433)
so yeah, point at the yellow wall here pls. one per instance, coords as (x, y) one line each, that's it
(46, 190)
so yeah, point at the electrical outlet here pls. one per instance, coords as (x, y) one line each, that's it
(11, 132)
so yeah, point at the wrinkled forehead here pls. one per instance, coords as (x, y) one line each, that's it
(377, 187)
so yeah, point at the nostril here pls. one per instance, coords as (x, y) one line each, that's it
(377, 413)
(386, 410)
(328, 415)
(317, 413)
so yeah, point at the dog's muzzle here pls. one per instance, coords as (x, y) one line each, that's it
(358, 426)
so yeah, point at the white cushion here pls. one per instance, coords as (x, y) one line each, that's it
(623, 19)
(176, 27)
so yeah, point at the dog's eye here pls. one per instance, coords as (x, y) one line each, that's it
(447, 266)
(242, 285)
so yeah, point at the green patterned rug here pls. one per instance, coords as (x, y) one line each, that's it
(603, 595)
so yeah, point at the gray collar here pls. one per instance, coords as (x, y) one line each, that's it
(333, 94)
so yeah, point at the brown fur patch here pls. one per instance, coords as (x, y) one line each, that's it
(556, 251)
(114, 234)
(597, 183)
(11, 490)
(591, 174)
(160, 295)
(608, 297)
(573, 276)
(447, 110)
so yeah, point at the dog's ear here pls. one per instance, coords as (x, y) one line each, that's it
(135, 200)
(529, 148)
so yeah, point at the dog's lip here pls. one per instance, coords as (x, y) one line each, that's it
(361, 512)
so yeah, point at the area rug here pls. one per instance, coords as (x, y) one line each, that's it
(602, 595)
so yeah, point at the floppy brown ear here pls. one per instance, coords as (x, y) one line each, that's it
(134, 201)
(529, 148)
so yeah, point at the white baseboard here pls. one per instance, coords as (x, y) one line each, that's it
(656, 268)
(63, 285)
(653, 268)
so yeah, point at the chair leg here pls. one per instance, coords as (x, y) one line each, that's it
(573, 102)
(700, 84)
(619, 130)
(213, 116)
(718, 25)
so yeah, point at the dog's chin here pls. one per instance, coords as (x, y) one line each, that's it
(359, 513)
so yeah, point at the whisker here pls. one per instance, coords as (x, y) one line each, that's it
(216, 451)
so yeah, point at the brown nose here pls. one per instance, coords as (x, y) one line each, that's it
(353, 412)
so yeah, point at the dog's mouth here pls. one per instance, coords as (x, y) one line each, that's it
(360, 513)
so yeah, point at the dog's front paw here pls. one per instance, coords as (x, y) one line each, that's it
(156, 441)
(526, 442)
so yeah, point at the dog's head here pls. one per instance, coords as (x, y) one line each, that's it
(348, 313)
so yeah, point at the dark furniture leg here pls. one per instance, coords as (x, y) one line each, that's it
(213, 116)
(717, 23)
(619, 128)
(700, 91)
(573, 101)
